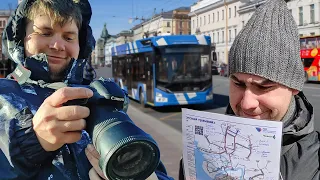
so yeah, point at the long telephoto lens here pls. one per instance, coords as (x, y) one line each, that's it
(126, 151)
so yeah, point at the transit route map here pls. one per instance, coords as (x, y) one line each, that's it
(223, 147)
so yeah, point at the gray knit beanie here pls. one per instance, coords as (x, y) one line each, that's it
(269, 46)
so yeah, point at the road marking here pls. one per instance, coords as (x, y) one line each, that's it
(306, 87)
(169, 116)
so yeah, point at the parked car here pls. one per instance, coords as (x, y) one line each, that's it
(215, 70)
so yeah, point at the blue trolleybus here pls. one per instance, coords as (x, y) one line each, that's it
(165, 70)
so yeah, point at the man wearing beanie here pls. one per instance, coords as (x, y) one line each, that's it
(266, 82)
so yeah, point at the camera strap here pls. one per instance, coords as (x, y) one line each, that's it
(22, 76)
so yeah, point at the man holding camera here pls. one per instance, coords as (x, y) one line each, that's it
(266, 83)
(40, 137)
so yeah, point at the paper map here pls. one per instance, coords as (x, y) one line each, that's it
(220, 147)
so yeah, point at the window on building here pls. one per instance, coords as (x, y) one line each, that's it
(230, 35)
(200, 21)
(204, 20)
(168, 24)
(229, 13)
(235, 11)
(313, 33)
(209, 19)
(243, 24)
(235, 33)
(222, 36)
(0, 24)
(189, 23)
(312, 13)
(218, 37)
(218, 17)
(193, 23)
(222, 14)
(212, 17)
(181, 23)
(300, 16)
(180, 32)
(197, 22)
(290, 10)
(301, 35)
(189, 32)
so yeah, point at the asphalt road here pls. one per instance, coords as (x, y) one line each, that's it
(172, 115)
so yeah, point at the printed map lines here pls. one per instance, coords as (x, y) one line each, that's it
(226, 149)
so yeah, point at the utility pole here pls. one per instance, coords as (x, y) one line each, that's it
(226, 16)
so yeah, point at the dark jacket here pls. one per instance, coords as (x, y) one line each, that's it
(300, 144)
(21, 155)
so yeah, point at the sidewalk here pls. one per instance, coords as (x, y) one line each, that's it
(169, 140)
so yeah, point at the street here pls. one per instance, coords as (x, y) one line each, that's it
(172, 115)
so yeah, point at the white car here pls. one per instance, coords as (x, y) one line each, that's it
(108, 64)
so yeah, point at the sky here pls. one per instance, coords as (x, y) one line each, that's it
(116, 13)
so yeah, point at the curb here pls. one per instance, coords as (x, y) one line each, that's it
(169, 133)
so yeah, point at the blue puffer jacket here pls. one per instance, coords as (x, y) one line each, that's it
(21, 155)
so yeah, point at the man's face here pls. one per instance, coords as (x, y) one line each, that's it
(60, 44)
(258, 98)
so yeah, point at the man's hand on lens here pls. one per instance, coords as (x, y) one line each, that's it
(55, 124)
(93, 156)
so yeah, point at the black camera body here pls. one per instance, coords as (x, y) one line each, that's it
(126, 151)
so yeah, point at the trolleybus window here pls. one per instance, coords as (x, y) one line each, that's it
(311, 43)
(302, 44)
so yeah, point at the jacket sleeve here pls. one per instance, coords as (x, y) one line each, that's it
(22, 154)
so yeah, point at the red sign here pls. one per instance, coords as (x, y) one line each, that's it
(310, 53)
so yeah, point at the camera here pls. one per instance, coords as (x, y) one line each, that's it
(126, 151)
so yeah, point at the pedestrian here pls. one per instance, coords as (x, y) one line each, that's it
(41, 138)
(266, 82)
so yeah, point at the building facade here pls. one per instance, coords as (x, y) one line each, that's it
(99, 54)
(307, 16)
(160, 24)
(181, 22)
(218, 19)
(124, 37)
(4, 16)
(137, 32)
(306, 13)
(174, 22)
(4, 63)
(222, 20)
(111, 42)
